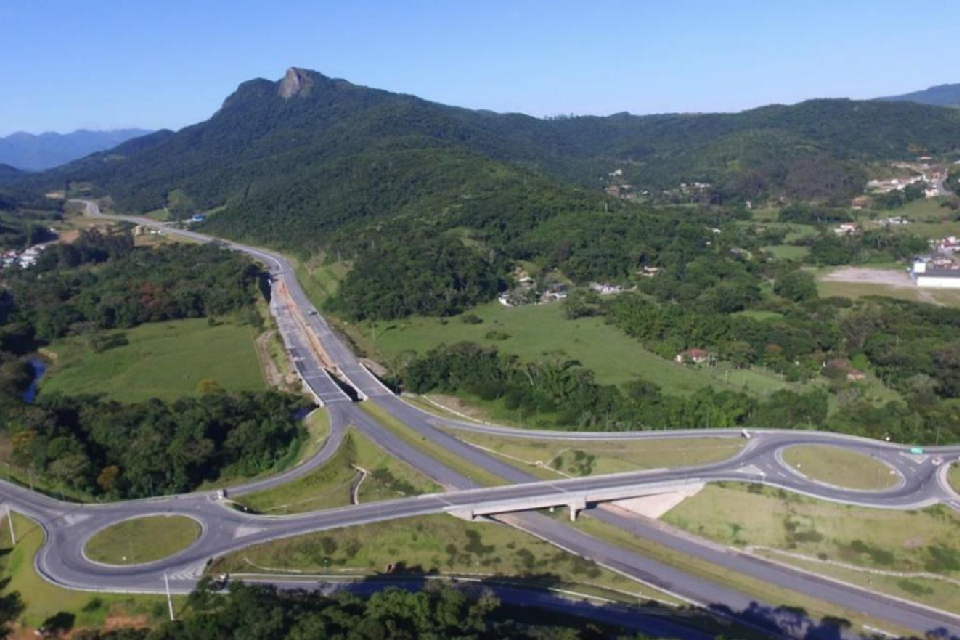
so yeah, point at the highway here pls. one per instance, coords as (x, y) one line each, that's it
(312, 343)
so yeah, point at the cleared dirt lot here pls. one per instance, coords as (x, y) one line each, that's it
(870, 276)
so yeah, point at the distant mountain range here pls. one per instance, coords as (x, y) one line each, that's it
(32, 152)
(944, 95)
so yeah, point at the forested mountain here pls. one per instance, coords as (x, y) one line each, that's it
(8, 173)
(46, 150)
(943, 95)
(322, 151)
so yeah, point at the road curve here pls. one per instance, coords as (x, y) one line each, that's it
(68, 526)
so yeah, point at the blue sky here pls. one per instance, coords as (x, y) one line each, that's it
(66, 64)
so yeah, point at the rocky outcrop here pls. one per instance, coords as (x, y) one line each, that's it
(295, 82)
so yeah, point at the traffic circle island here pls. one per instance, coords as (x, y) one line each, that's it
(839, 467)
(142, 540)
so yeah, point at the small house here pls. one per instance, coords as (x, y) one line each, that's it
(696, 356)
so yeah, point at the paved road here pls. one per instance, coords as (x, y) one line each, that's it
(69, 526)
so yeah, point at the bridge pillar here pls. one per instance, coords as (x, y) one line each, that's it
(576, 505)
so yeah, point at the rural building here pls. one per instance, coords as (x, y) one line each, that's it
(846, 229)
(696, 356)
(605, 289)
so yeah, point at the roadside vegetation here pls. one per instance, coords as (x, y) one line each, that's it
(840, 467)
(572, 458)
(258, 612)
(142, 540)
(359, 472)
(436, 545)
(899, 552)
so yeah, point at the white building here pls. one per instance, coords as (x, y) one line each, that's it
(933, 276)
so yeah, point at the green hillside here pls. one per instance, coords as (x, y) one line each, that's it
(314, 133)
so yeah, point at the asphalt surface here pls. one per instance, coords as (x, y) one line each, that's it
(69, 526)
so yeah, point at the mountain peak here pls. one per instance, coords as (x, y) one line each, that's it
(295, 82)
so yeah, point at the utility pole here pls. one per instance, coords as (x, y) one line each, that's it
(13, 534)
(166, 582)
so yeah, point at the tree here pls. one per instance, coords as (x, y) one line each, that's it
(796, 286)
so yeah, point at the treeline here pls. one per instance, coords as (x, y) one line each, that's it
(106, 449)
(436, 612)
(64, 295)
(869, 246)
(804, 213)
(562, 395)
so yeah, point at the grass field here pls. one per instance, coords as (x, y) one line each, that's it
(333, 484)
(439, 545)
(787, 251)
(953, 475)
(45, 603)
(822, 533)
(565, 458)
(840, 467)
(162, 360)
(922, 210)
(538, 331)
(142, 540)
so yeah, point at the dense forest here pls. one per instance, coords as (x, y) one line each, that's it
(96, 447)
(102, 282)
(438, 276)
(436, 612)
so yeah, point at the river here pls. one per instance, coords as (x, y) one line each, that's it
(39, 368)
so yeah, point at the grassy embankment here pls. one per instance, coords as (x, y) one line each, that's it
(46, 603)
(162, 360)
(841, 468)
(142, 540)
(358, 460)
(553, 459)
(432, 449)
(438, 545)
(890, 551)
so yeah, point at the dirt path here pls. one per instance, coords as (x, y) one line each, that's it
(870, 276)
